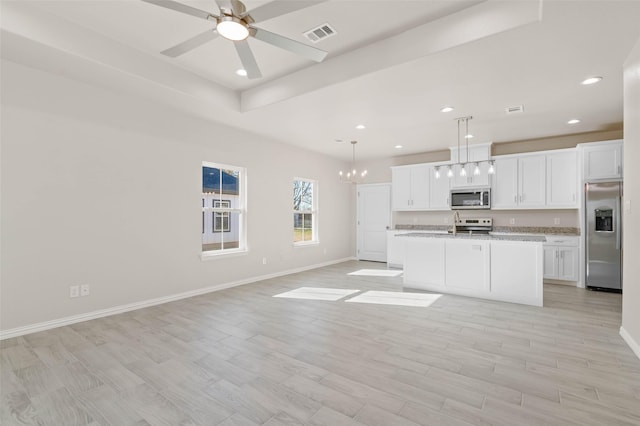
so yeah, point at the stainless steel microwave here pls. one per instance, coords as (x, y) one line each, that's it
(470, 198)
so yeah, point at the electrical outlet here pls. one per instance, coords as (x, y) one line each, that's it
(84, 290)
(74, 290)
(556, 221)
(325, 251)
(512, 221)
(264, 260)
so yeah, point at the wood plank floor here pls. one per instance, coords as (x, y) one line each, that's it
(242, 357)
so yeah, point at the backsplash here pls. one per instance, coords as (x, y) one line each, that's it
(549, 230)
(567, 218)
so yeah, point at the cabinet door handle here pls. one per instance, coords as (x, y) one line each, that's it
(476, 247)
(619, 169)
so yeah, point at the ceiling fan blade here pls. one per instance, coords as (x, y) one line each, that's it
(190, 44)
(224, 5)
(238, 7)
(277, 8)
(293, 46)
(179, 7)
(248, 60)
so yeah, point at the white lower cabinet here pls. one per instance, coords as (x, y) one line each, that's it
(395, 249)
(426, 257)
(510, 271)
(516, 272)
(561, 258)
(467, 266)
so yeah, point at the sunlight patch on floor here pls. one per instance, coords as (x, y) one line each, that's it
(395, 298)
(317, 293)
(377, 272)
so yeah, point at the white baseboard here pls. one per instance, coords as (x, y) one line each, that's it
(635, 347)
(47, 325)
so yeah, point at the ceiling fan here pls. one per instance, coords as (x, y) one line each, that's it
(235, 23)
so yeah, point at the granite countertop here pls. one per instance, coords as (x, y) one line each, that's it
(471, 236)
(539, 230)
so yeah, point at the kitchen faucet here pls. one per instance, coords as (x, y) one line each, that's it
(456, 220)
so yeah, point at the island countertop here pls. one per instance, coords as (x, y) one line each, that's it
(476, 236)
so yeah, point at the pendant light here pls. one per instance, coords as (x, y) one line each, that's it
(353, 176)
(477, 171)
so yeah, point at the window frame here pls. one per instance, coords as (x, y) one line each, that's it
(240, 209)
(313, 212)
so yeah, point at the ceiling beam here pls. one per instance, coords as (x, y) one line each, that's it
(474, 23)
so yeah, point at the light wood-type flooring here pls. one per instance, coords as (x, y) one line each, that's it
(242, 357)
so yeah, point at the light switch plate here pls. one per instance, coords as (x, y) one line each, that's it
(627, 206)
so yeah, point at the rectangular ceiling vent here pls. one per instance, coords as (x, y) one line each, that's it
(320, 33)
(515, 109)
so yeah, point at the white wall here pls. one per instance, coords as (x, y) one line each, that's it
(104, 189)
(631, 219)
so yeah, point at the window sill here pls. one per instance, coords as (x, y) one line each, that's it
(307, 244)
(211, 255)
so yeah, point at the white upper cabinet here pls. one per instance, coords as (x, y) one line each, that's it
(504, 192)
(562, 179)
(438, 190)
(410, 187)
(531, 181)
(519, 182)
(602, 160)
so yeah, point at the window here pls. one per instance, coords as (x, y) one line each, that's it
(221, 220)
(223, 209)
(305, 216)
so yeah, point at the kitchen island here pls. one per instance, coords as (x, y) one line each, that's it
(508, 268)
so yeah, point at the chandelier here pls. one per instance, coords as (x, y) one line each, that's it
(463, 165)
(353, 176)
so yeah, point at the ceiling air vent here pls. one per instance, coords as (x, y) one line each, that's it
(320, 33)
(515, 109)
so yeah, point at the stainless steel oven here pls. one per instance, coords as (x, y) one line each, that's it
(470, 198)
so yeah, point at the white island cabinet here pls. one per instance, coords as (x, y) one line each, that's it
(426, 257)
(467, 267)
(516, 272)
(501, 268)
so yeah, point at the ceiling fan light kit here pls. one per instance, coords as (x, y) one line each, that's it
(235, 23)
(232, 28)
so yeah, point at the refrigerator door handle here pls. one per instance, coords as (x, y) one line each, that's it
(617, 224)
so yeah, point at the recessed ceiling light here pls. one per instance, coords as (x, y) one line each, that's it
(361, 126)
(573, 121)
(446, 109)
(591, 80)
(468, 136)
(241, 72)
(398, 146)
(339, 140)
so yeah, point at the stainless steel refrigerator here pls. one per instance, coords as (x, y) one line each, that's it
(604, 235)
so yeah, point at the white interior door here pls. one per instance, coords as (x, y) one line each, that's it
(374, 218)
